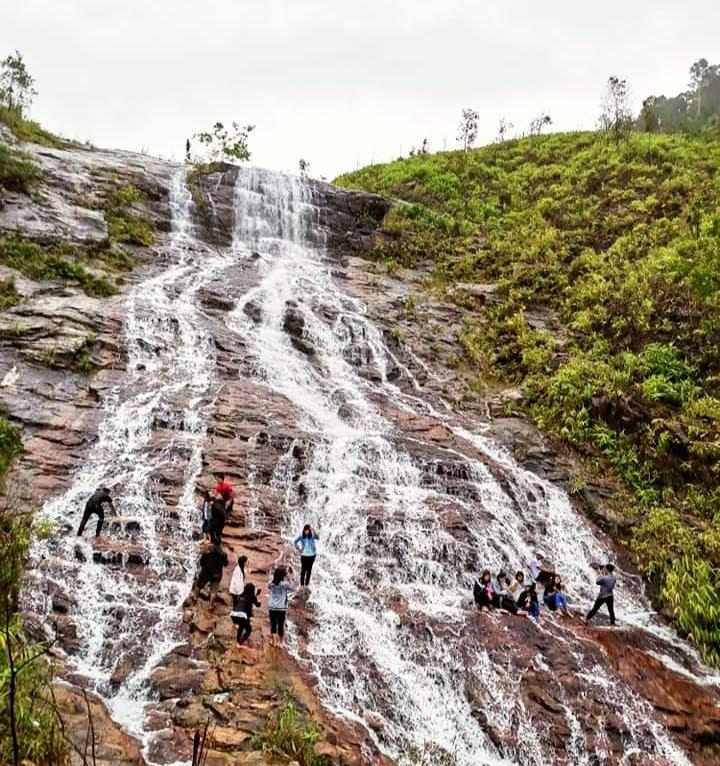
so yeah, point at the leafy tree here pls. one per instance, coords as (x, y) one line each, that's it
(424, 148)
(616, 117)
(648, 120)
(537, 124)
(503, 128)
(223, 144)
(16, 83)
(468, 129)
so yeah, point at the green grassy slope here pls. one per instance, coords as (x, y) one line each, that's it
(621, 243)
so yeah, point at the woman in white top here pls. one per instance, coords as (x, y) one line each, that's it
(237, 581)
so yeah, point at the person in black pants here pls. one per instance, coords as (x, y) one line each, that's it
(306, 543)
(278, 589)
(241, 614)
(217, 520)
(94, 507)
(607, 582)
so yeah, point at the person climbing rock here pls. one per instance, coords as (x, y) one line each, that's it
(483, 591)
(528, 603)
(217, 519)
(278, 589)
(94, 507)
(212, 562)
(237, 581)
(206, 516)
(225, 491)
(605, 597)
(242, 610)
(306, 544)
(553, 596)
(540, 570)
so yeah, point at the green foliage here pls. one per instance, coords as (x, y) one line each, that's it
(222, 144)
(618, 243)
(51, 262)
(8, 295)
(27, 130)
(17, 173)
(16, 83)
(289, 734)
(124, 224)
(10, 446)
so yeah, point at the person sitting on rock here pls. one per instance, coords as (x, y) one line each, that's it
(516, 586)
(501, 597)
(553, 596)
(237, 581)
(483, 591)
(278, 589)
(540, 570)
(528, 603)
(217, 519)
(206, 515)
(242, 610)
(212, 562)
(94, 507)
(225, 491)
(306, 543)
(607, 583)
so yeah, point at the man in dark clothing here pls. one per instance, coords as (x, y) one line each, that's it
(212, 562)
(94, 507)
(607, 582)
(225, 491)
(217, 520)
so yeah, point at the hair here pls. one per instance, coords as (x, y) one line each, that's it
(486, 573)
(241, 563)
(106, 490)
(519, 575)
(221, 475)
(279, 575)
(307, 528)
(206, 495)
(249, 591)
(610, 568)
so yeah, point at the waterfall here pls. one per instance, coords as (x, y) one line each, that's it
(390, 641)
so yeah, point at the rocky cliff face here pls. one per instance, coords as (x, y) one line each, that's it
(323, 389)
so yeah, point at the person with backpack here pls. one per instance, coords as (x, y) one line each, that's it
(605, 597)
(237, 581)
(94, 507)
(212, 562)
(242, 610)
(306, 543)
(224, 490)
(217, 519)
(278, 589)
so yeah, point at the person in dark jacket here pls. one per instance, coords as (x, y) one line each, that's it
(483, 591)
(94, 507)
(241, 614)
(225, 491)
(605, 597)
(528, 603)
(212, 562)
(553, 595)
(217, 519)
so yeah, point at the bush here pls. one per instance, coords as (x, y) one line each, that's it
(17, 173)
(27, 130)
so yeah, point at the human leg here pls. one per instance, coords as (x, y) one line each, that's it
(610, 603)
(101, 519)
(595, 607)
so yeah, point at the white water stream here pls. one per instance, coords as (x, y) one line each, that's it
(389, 648)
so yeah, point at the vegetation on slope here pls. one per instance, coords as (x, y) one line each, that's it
(620, 242)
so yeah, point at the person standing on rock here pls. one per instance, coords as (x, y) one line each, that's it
(217, 520)
(94, 507)
(607, 583)
(206, 515)
(278, 589)
(242, 610)
(540, 570)
(212, 562)
(237, 581)
(306, 544)
(225, 491)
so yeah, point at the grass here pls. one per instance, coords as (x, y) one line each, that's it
(17, 172)
(618, 244)
(27, 130)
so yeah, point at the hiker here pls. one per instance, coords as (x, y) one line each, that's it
(94, 506)
(278, 589)
(237, 581)
(553, 596)
(528, 603)
(516, 585)
(501, 597)
(206, 517)
(187, 148)
(305, 543)
(540, 570)
(607, 583)
(212, 562)
(217, 519)
(242, 610)
(225, 491)
(483, 591)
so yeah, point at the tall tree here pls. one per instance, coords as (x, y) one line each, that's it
(539, 122)
(226, 144)
(16, 83)
(615, 116)
(468, 129)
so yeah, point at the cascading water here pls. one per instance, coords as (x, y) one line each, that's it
(126, 592)
(390, 642)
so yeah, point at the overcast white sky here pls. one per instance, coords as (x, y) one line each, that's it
(341, 83)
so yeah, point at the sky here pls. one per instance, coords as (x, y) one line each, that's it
(342, 84)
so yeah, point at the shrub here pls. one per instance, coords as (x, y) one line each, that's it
(17, 173)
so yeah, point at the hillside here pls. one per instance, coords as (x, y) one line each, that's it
(590, 275)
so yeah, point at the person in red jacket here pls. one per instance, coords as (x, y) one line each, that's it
(225, 491)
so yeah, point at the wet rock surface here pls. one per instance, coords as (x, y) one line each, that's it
(560, 675)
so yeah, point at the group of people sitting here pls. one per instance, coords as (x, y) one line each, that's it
(522, 597)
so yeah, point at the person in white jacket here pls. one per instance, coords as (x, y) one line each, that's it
(237, 581)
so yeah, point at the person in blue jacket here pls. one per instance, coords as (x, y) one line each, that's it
(306, 544)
